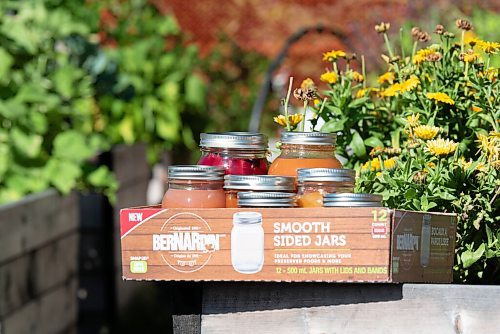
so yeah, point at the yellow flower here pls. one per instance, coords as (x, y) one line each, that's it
(441, 146)
(333, 55)
(470, 38)
(292, 119)
(329, 77)
(362, 92)
(421, 55)
(392, 90)
(307, 84)
(373, 165)
(476, 109)
(386, 77)
(379, 174)
(440, 97)
(413, 120)
(409, 84)
(317, 103)
(389, 163)
(464, 164)
(494, 134)
(470, 57)
(491, 73)
(358, 77)
(430, 164)
(489, 47)
(426, 132)
(490, 145)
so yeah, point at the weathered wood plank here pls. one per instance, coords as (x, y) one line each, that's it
(129, 163)
(186, 324)
(54, 312)
(29, 276)
(34, 221)
(421, 308)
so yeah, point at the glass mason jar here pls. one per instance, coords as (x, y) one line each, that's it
(240, 153)
(313, 183)
(192, 186)
(266, 200)
(305, 150)
(233, 184)
(247, 242)
(352, 200)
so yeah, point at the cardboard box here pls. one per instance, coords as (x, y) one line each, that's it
(293, 245)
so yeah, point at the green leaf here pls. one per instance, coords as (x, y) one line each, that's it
(334, 109)
(469, 257)
(410, 194)
(195, 91)
(63, 174)
(72, 146)
(27, 144)
(357, 145)
(373, 142)
(4, 160)
(333, 125)
(102, 177)
(126, 129)
(6, 61)
(358, 103)
(65, 79)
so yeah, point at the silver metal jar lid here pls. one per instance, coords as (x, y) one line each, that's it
(266, 199)
(243, 140)
(308, 138)
(244, 217)
(326, 174)
(350, 199)
(196, 172)
(259, 182)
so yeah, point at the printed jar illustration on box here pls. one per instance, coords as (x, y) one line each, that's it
(247, 242)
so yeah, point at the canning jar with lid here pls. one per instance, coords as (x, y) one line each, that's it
(233, 184)
(313, 183)
(305, 150)
(193, 186)
(241, 153)
(266, 200)
(352, 200)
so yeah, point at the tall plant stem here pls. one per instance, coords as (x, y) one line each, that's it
(414, 49)
(304, 116)
(401, 42)
(287, 100)
(363, 70)
(462, 42)
(388, 45)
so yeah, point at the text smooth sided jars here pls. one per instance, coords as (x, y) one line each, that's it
(313, 183)
(192, 186)
(352, 200)
(240, 153)
(247, 242)
(305, 150)
(233, 184)
(266, 200)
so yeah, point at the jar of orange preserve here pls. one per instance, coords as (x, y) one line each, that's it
(305, 150)
(233, 184)
(313, 183)
(192, 186)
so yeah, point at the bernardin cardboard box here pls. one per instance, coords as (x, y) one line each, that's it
(287, 245)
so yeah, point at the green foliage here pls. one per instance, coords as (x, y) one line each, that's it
(389, 130)
(48, 129)
(159, 97)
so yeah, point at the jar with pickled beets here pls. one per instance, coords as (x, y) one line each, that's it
(313, 183)
(233, 184)
(305, 150)
(240, 153)
(193, 186)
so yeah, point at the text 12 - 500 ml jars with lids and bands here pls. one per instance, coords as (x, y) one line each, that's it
(233, 184)
(193, 186)
(313, 183)
(352, 200)
(266, 200)
(247, 242)
(241, 153)
(305, 150)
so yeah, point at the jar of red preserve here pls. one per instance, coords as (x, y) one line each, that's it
(240, 153)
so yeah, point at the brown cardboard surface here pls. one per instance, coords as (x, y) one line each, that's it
(299, 244)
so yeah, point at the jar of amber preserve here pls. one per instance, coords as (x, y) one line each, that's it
(313, 183)
(233, 184)
(305, 150)
(241, 153)
(192, 186)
